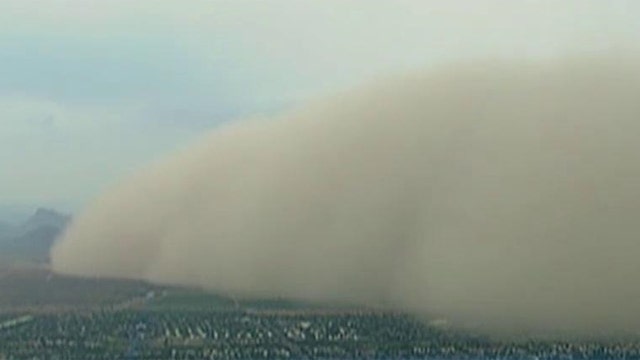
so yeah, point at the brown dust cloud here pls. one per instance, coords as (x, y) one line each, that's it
(501, 195)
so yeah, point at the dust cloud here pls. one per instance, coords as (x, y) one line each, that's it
(499, 195)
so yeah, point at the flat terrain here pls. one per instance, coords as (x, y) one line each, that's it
(45, 316)
(36, 290)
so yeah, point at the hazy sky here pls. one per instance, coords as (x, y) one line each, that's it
(91, 90)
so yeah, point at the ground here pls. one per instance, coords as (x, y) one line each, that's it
(45, 316)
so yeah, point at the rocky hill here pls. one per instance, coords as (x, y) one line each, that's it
(31, 240)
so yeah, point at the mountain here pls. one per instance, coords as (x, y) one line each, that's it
(32, 240)
(46, 218)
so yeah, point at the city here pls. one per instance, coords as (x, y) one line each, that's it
(149, 322)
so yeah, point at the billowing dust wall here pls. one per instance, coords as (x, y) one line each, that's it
(499, 194)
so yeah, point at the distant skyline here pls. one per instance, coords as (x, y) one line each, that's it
(92, 90)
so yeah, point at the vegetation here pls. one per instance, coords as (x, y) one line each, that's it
(236, 334)
(51, 317)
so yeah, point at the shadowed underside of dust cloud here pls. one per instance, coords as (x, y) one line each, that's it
(505, 195)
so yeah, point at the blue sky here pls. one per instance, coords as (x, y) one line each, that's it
(91, 90)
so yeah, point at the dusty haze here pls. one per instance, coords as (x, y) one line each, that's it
(499, 195)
